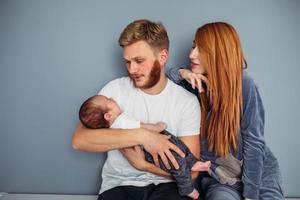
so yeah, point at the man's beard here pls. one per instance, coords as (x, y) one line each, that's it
(153, 79)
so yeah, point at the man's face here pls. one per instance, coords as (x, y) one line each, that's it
(142, 65)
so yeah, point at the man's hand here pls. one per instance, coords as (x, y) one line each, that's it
(135, 156)
(159, 145)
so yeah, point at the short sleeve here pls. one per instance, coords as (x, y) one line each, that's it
(111, 89)
(189, 123)
(124, 121)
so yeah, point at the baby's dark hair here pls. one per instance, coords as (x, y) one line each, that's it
(91, 114)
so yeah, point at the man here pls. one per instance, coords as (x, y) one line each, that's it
(147, 95)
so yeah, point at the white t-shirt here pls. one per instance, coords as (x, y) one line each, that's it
(123, 121)
(175, 106)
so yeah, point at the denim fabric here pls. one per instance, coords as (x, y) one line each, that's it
(270, 189)
(216, 191)
(252, 170)
(271, 186)
(182, 176)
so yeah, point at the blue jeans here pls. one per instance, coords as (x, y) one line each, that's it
(270, 189)
(222, 192)
(213, 190)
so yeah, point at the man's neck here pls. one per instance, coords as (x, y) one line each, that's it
(159, 87)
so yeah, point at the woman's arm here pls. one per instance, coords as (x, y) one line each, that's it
(178, 74)
(252, 132)
(173, 74)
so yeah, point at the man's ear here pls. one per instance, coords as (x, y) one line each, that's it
(163, 56)
(107, 116)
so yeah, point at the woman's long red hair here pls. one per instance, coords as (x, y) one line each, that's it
(222, 56)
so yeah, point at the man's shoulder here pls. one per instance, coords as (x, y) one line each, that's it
(180, 91)
(116, 87)
(122, 81)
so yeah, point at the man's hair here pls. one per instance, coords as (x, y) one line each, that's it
(153, 33)
(91, 115)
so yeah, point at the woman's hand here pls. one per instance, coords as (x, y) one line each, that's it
(135, 156)
(194, 79)
(159, 146)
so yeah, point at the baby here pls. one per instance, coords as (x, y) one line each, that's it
(101, 112)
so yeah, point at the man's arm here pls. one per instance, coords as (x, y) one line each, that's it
(193, 143)
(157, 171)
(136, 158)
(102, 140)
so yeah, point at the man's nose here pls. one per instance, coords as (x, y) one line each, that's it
(132, 68)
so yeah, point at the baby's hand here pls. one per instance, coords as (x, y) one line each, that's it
(201, 166)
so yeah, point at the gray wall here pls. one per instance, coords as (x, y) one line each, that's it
(54, 54)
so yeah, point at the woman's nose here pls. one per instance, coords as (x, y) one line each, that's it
(193, 54)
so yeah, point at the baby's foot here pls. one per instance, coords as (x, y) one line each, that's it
(194, 194)
(201, 166)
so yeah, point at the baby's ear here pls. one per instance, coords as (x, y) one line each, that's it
(107, 116)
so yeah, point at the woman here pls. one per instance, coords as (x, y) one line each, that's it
(232, 124)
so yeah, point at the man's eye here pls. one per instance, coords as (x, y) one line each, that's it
(139, 61)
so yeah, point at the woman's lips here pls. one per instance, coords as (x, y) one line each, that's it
(194, 65)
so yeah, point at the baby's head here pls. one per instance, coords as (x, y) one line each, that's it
(99, 112)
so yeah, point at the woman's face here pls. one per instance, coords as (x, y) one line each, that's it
(196, 65)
